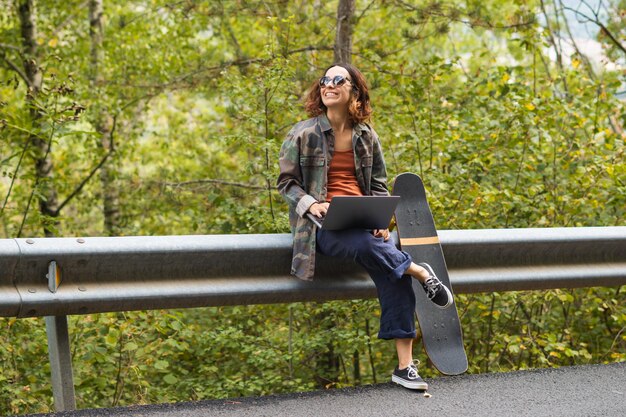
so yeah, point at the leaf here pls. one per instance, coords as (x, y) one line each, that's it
(112, 337)
(170, 379)
(130, 346)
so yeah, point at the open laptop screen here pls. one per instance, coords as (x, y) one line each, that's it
(358, 212)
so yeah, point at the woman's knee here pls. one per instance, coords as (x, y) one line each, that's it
(367, 245)
(335, 243)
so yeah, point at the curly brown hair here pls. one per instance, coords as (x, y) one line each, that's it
(359, 109)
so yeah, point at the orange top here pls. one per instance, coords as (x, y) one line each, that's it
(342, 175)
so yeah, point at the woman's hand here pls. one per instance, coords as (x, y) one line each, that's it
(319, 209)
(384, 233)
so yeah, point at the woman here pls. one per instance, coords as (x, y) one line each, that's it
(336, 153)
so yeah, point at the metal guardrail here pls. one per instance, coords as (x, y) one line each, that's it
(143, 273)
(10, 299)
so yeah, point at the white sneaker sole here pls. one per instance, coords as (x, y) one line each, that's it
(408, 384)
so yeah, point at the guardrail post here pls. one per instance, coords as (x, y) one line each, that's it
(60, 363)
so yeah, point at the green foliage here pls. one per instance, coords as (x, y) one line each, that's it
(221, 352)
(199, 96)
(24, 382)
(553, 328)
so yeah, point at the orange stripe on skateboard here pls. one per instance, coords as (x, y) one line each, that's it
(414, 241)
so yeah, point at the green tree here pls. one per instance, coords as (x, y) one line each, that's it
(179, 110)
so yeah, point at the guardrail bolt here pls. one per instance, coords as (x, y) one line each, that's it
(80, 240)
(30, 241)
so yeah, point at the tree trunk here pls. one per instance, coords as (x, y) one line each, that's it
(48, 200)
(556, 44)
(343, 39)
(103, 123)
(327, 367)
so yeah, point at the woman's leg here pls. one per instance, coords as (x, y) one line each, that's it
(436, 292)
(406, 373)
(385, 265)
(372, 253)
(382, 259)
(404, 347)
(417, 272)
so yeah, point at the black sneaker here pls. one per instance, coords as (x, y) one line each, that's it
(435, 290)
(409, 378)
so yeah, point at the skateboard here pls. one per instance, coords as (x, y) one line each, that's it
(441, 328)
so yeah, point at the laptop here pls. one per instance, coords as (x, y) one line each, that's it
(358, 212)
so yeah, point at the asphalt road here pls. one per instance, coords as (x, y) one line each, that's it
(594, 390)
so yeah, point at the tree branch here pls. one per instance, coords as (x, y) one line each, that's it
(471, 22)
(214, 181)
(365, 10)
(77, 10)
(556, 46)
(144, 16)
(608, 33)
(32, 194)
(93, 171)
(17, 168)
(588, 65)
(17, 69)
(227, 64)
(595, 20)
(83, 183)
(7, 46)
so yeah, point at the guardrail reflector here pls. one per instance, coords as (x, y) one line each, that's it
(54, 276)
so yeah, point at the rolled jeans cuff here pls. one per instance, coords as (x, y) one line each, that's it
(399, 271)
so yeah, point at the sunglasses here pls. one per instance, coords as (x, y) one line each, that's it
(337, 81)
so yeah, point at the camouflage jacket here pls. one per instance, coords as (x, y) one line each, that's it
(304, 162)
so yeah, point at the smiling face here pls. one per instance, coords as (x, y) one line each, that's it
(352, 95)
(336, 96)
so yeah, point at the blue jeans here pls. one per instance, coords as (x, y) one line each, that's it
(385, 264)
